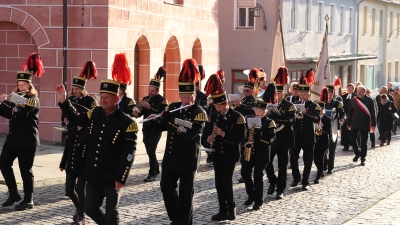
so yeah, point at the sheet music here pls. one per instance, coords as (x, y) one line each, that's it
(299, 106)
(254, 121)
(233, 97)
(183, 123)
(17, 99)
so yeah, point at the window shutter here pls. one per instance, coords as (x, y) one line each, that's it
(247, 3)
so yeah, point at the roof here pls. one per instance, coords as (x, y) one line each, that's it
(332, 59)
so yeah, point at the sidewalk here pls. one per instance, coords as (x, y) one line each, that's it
(48, 157)
(386, 211)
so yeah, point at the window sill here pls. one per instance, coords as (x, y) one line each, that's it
(364, 34)
(292, 30)
(306, 31)
(244, 28)
(331, 33)
(176, 4)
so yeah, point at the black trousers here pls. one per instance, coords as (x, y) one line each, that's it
(363, 142)
(75, 189)
(372, 138)
(308, 154)
(179, 207)
(223, 183)
(283, 158)
(331, 153)
(150, 140)
(25, 157)
(345, 136)
(320, 152)
(254, 189)
(95, 195)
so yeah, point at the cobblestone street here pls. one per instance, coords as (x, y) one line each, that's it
(350, 190)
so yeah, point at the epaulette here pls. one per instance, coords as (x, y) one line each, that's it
(89, 113)
(133, 127)
(317, 107)
(132, 102)
(164, 102)
(201, 117)
(94, 104)
(292, 108)
(241, 120)
(272, 124)
(340, 105)
(31, 102)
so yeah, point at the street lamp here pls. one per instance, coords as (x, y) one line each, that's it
(257, 13)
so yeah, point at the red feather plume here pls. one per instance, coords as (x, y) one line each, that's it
(303, 80)
(120, 69)
(338, 82)
(221, 74)
(34, 64)
(189, 72)
(324, 95)
(202, 72)
(254, 75)
(310, 75)
(213, 85)
(162, 72)
(89, 71)
(281, 76)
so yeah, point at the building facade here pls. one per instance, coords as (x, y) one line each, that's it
(152, 33)
(379, 34)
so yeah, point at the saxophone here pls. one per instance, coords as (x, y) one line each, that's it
(248, 146)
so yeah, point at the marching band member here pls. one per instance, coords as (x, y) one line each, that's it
(294, 93)
(322, 132)
(223, 132)
(255, 149)
(345, 132)
(23, 123)
(154, 103)
(326, 96)
(111, 144)
(201, 97)
(216, 79)
(304, 135)
(182, 150)
(125, 103)
(73, 160)
(284, 119)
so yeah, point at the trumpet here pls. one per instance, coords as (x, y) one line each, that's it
(139, 107)
(159, 115)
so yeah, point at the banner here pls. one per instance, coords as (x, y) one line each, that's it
(278, 57)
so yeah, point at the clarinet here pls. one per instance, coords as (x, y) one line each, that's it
(218, 123)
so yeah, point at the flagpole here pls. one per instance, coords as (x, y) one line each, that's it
(283, 41)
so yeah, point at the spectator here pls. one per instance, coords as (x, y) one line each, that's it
(371, 134)
(390, 89)
(360, 121)
(385, 119)
(358, 83)
(396, 97)
(384, 90)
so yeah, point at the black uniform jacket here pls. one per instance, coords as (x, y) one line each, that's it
(227, 147)
(126, 105)
(23, 124)
(201, 99)
(304, 128)
(246, 108)
(262, 138)
(81, 104)
(157, 104)
(182, 150)
(111, 144)
(74, 156)
(322, 136)
(287, 118)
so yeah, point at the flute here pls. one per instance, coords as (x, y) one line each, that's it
(158, 115)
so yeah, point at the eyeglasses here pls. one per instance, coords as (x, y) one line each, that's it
(246, 90)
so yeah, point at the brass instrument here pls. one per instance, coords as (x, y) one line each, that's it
(248, 146)
(299, 113)
(139, 107)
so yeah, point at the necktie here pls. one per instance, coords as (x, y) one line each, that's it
(348, 96)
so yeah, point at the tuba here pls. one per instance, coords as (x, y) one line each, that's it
(248, 146)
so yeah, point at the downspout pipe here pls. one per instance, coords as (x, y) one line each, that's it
(65, 41)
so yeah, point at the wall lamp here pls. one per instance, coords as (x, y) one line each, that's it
(257, 13)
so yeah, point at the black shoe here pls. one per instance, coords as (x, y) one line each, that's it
(81, 221)
(362, 163)
(325, 166)
(279, 195)
(13, 197)
(173, 222)
(232, 214)
(257, 206)
(355, 159)
(241, 180)
(249, 201)
(27, 203)
(75, 218)
(295, 182)
(316, 181)
(271, 189)
(150, 178)
(220, 216)
(329, 172)
(345, 149)
(305, 187)
(373, 145)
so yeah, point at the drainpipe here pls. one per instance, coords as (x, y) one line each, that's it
(358, 31)
(65, 40)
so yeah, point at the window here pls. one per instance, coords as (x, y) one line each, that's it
(293, 15)
(331, 20)
(373, 22)
(320, 16)
(245, 17)
(238, 78)
(389, 70)
(381, 23)
(351, 21)
(396, 70)
(391, 23)
(398, 24)
(365, 20)
(342, 19)
(295, 75)
(308, 17)
(362, 73)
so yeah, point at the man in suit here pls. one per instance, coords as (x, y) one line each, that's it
(125, 103)
(345, 133)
